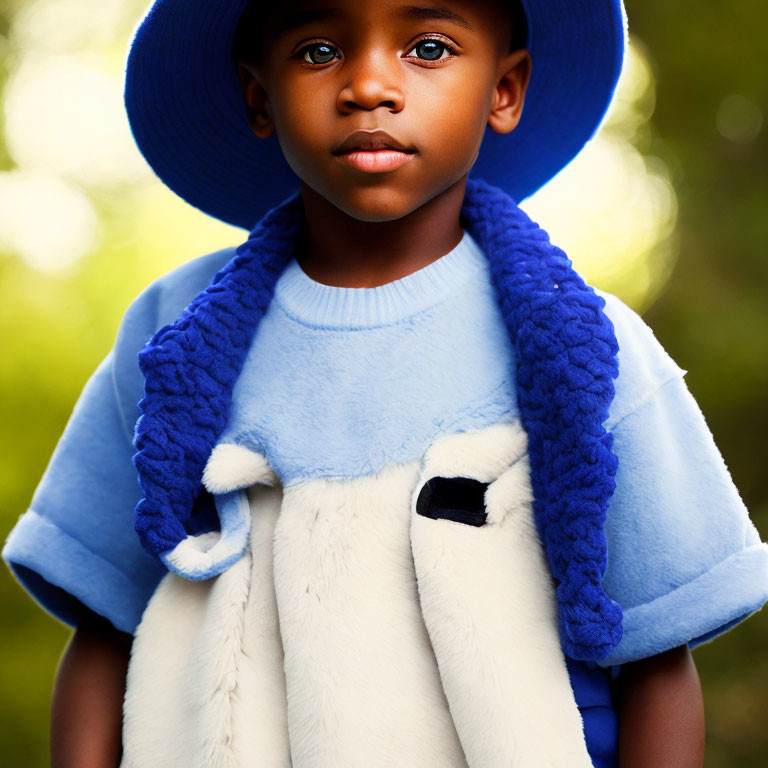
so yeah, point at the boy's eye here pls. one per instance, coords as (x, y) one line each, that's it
(320, 53)
(432, 49)
(429, 49)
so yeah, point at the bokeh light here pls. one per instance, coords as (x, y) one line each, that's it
(739, 119)
(45, 220)
(65, 114)
(613, 209)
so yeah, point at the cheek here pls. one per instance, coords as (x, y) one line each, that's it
(300, 121)
(453, 117)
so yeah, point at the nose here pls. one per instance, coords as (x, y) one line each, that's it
(374, 82)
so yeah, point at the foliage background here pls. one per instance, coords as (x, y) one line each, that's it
(704, 282)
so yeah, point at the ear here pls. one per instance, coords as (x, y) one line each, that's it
(509, 94)
(256, 100)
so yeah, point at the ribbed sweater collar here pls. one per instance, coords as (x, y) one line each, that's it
(318, 304)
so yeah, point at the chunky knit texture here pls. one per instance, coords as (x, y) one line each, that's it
(190, 367)
(566, 362)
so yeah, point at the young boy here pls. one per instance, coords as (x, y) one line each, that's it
(401, 513)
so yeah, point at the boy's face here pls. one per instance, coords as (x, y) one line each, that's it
(431, 76)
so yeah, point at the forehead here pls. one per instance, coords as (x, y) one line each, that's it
(306, 12)
(293, 14)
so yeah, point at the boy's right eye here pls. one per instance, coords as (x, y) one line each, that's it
(319, 53)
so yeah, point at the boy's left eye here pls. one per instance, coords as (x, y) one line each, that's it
(432, 49)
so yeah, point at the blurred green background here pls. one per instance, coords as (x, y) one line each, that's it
(667, 208)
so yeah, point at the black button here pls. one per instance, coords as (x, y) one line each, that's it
(461, 499)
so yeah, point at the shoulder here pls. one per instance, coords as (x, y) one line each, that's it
(165, 297)
(160, 303)
(644, 364)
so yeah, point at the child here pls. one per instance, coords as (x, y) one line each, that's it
(411, 492)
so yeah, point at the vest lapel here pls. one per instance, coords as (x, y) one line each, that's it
(488, 601)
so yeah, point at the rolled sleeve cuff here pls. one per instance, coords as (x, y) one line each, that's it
(698, 611)
(54, 567)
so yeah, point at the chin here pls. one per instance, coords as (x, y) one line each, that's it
(378, 204)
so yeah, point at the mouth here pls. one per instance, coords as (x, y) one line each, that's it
(373, 151)
(371, 141)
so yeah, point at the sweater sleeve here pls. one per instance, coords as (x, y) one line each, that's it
(684, 560)
(76, 543)
(76, 540)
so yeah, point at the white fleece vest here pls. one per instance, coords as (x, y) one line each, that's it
(395, 608)
(357, 631)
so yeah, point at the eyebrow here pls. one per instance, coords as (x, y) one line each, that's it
(296, 19)
(433, 13)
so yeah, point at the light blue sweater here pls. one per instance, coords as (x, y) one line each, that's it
(340, 382)
(352, 377)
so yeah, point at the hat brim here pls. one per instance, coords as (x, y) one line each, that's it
(188, 117)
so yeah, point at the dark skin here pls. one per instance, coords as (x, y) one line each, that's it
(661, 712)
(87, 704)
(365, 229)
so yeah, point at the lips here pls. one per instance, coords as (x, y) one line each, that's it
(369, 141)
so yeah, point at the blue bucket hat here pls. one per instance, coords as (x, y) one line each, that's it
(189, 119)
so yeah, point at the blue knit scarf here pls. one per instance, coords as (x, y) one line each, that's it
(566, 362)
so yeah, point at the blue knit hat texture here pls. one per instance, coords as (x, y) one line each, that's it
(189, 119)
